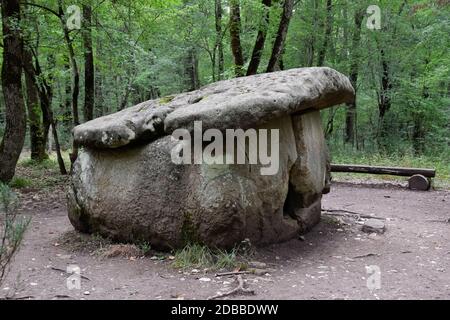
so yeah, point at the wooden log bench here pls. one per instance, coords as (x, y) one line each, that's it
(419, 178)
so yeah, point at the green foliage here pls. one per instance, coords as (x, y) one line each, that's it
(12, 228)
(42, 175)
(49, 163)
(200, 256)
(145, 247)
(19, 182)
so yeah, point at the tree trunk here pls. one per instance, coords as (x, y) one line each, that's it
(36, 127)
(384, 99)
(62, 167)
(330, 122)
(46, 96)
(311, 39)
(328, 28)
(386, 85)
(99, 103)
(219, 42)
(191, 70)
(75, 77)
(66, 103)
(278, 45)
(99, 95)
(235, 35)
(89, 82)
(351, 113)
(260, 40)
(15, 128)
(418, 126)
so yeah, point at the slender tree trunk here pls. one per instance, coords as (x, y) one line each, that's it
(351, 113)
(212, 57)
(75, 78)
(328, 29)
(311, 44)
(330, 122)
(36, 126)
(384, 102)
(124, 100)
(191, 70)
(15, 128)
(344, 52)
(99, 108)
(99, 95)
(310, 51)
(278, 45)
(66, 101)
(62, 167)
(260, 39)
(45, 97)
(89, 79)
(219, 35)
(418, 136)
(384, 99)
(235, 35)
(45, 93)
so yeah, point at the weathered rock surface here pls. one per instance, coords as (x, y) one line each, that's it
(251, 101)
(245, 102)
(138, 194)
(125, 186)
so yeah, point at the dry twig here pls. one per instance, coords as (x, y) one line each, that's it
(239, 289)
(346, 213)
(232, 273)
(64, 271)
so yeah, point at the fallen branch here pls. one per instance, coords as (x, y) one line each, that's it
(64, 271)
(232, 273)
(17, 298)
(439, 221)
(239, 289)
(367, 255)
(346, 213)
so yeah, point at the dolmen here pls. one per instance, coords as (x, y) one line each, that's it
(238, 159)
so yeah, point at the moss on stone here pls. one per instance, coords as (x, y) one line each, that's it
(166, 100)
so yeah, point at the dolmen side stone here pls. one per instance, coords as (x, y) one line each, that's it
(125, 185)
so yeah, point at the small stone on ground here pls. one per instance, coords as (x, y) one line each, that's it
(374, 226)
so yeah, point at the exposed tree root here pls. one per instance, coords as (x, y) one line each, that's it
(238, 290)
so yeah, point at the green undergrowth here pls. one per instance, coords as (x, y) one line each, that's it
(39, 175)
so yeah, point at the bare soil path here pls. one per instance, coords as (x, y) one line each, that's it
(413, 255)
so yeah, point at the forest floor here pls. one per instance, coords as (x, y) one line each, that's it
(330, 262)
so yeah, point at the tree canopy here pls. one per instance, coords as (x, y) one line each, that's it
(119, 53)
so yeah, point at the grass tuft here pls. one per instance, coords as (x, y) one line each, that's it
(200, 256)
(19, 183)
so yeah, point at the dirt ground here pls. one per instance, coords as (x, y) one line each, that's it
(413, 255)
